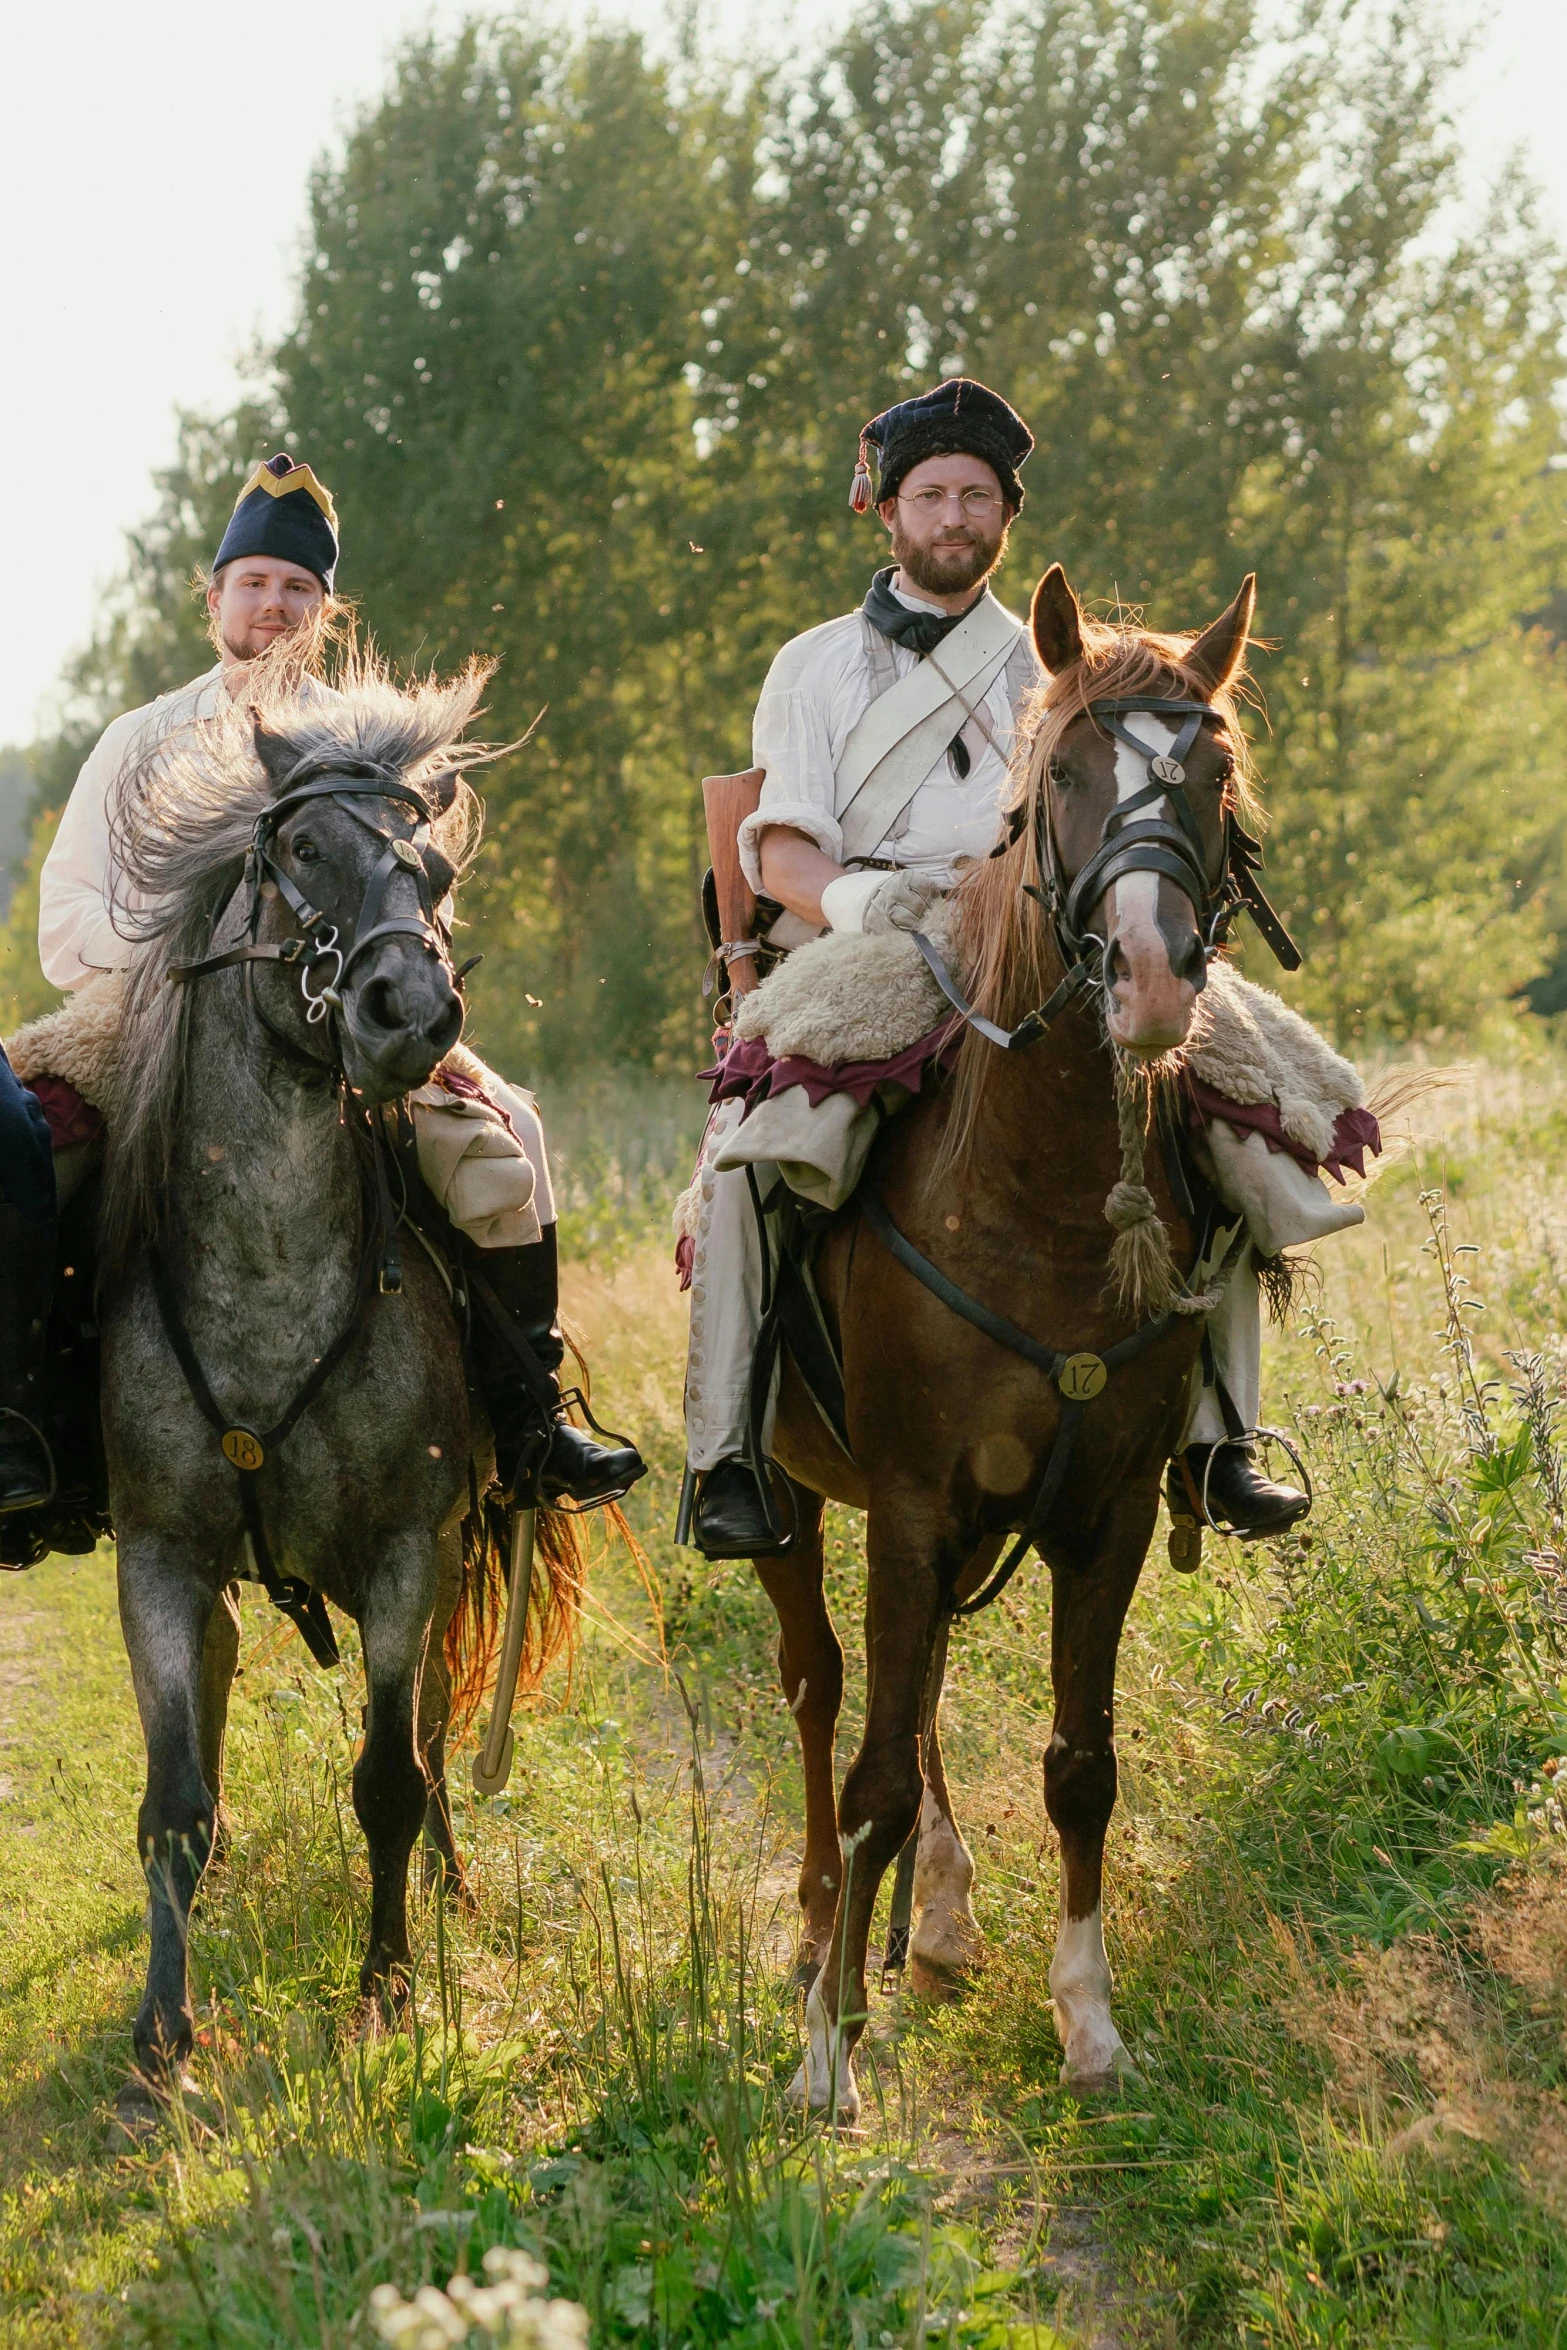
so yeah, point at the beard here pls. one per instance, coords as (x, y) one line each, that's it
(964, 559)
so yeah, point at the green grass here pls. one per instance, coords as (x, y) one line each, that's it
(1337, 1910)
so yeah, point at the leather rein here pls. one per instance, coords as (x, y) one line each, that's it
(315, 949)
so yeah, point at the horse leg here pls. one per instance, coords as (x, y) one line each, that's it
(810, 1670)
(1088, 1608)
(881, 1796)
(947, 1938)
(391, 1792)
(442, 1861)
(165, 1610)
(219, 1663)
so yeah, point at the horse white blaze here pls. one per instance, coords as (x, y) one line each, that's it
(1080, 1984)
(1149, 1010)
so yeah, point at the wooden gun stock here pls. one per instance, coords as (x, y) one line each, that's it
(728, 801)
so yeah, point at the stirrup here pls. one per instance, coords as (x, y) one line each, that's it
(46, 1452)
(579, 1509)
(1249, 1436)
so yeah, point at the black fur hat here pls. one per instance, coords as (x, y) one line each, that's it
(958, 417)
(283, 511)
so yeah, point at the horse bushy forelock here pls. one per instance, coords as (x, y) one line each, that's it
(181, 821)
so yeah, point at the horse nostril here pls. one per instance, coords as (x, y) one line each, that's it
(381, 1005)
(1117, 967)
(446, 1027)
(1193, 965)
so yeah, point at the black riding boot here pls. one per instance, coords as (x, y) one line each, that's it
(528, 1421)
(732, 1519)
(26, 1281)
(1239, 1495)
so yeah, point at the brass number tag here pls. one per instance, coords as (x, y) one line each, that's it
(1167, 770)
(1081, 1378)
(246, 1451)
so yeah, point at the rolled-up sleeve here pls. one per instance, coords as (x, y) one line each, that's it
(815, 690)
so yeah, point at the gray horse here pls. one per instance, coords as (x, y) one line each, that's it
(243, 1222)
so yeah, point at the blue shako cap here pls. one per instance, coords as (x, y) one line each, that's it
(283, 511)
(960, 417)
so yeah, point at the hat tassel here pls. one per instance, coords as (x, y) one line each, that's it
(860, 493)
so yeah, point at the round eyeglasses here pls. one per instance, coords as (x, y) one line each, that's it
(976, 504)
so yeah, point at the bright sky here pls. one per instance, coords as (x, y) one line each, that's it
(154, 162)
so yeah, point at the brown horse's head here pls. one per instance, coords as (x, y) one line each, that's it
(1142, 933)
(1148, 921)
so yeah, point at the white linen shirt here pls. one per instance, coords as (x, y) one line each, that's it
(77, 897)
(816, 691)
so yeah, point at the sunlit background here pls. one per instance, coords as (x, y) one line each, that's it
(159, 159)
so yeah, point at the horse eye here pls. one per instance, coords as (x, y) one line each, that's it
(306, 852)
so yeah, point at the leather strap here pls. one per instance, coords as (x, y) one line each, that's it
(1044, 1357)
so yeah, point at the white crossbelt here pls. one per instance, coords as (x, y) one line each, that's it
(895, 744)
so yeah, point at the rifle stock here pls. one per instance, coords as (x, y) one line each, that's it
(727, 801)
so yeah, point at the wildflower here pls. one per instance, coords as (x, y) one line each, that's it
(507, 2310)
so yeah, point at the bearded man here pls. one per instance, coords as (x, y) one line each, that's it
(855, 837)
(271, 582)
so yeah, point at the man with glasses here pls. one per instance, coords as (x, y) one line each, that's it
(846, 845)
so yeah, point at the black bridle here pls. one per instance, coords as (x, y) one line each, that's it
(1130, 842)
(317, 945)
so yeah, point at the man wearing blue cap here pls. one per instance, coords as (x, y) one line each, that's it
(271, 579)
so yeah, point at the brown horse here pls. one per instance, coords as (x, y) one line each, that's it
(1001, 1179)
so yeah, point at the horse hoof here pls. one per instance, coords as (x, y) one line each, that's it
(1107, 2081)
(942, 1985)
(142, 2107)
(845, 2110)
(137, 2116)
(947, 1949)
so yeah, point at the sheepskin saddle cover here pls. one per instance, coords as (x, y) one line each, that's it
(847, 997)
(80, 1041)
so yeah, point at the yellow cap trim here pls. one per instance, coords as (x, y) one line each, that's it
(283, 485)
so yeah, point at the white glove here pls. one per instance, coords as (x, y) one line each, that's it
(903, 902)
(875, 902)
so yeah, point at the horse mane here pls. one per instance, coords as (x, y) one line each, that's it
(1003, 941)
(180, 826)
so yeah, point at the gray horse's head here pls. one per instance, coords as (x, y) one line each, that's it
(352, 843)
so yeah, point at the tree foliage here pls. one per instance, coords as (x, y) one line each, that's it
(584, 341)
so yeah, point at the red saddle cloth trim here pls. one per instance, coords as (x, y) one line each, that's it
(1354, 1131)
(749, 1070)
(71, 1118)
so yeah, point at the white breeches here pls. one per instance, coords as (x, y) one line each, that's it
(726, 1307)
(726, 1312)
(491, 1174)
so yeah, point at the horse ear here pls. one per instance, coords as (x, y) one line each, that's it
(439, 791)
(1221, 649)
(1056, 621)
(276, 753)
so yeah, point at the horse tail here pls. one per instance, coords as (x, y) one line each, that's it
(561, 1565)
